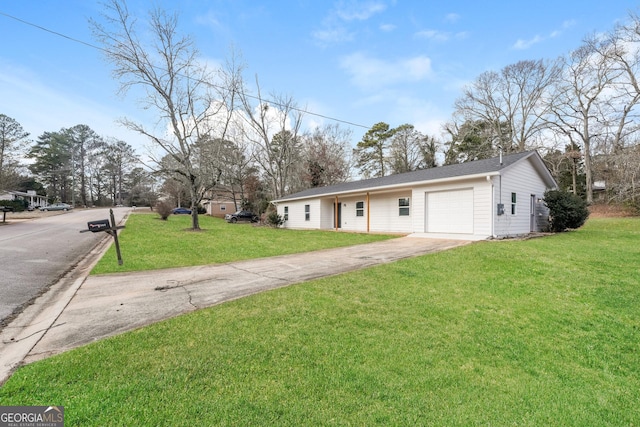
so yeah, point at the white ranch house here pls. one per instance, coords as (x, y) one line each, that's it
(30, 196)
(493, 198)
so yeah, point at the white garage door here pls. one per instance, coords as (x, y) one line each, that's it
(450, 211)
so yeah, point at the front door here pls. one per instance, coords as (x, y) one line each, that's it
(532, 220)
(337, 215)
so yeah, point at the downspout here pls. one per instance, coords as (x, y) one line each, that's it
(368, 217)
(491, 208)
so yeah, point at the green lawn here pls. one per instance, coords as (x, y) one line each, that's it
(149, 243)
(528, 333)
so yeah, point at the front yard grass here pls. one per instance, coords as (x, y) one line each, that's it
(537, 332)
(148, 243)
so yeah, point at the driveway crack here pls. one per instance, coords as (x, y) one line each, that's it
(175, 284)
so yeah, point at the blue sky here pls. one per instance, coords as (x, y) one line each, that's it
(359, 61)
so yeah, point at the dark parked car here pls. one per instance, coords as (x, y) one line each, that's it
(241, 216)
(179, 211)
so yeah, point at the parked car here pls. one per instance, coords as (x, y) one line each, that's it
(241, 216)
(57, 207)
(179, 211)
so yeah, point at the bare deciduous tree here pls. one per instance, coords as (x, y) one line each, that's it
(177, 87)
(328, 155)
(580, 100)
(273, 128)
(513, 102)
(411, 150)
(623, 50)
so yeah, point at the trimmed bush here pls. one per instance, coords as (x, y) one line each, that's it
(164, 210)
(274, 220)
(566, 210)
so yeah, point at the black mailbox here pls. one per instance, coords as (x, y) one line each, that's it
(6, 208)
(99, 225)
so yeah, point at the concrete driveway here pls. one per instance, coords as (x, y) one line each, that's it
(85, 308)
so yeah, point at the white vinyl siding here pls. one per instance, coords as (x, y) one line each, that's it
(522, 180)
(297, 214)
(385, 215)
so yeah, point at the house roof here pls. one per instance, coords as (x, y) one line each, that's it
(450, 172)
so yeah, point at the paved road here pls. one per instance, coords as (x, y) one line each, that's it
(34, 254)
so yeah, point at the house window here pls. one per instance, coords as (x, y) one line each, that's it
(307, 212)
(513, 203)
(403, 206)
(286, 213)
(359, 208)
(223, 207)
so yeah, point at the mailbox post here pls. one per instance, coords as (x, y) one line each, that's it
(4, 210)
(107, 227)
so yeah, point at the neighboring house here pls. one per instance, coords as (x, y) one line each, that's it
(30, 196)
(219, 208)
(491, 198)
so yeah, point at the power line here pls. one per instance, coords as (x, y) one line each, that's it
(39, 27)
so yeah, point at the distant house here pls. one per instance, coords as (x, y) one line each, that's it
(220, 201)
(493, 198)
(30, 196)
(219, 208)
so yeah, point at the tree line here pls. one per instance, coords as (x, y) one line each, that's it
(73, 165)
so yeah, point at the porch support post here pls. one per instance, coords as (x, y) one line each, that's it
(335, 214)
(368, 217)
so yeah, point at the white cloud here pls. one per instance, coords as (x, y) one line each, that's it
(333, 35)
(401, 108)
(358, 11)
(387, 27)
(369, 72)
(522, 44)
(452, 18)
(210, 19)
(526, 44)
(435, 35)
(334, 27)
(424, 115)
(418, 67)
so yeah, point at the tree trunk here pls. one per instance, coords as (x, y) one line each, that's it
(587, 162)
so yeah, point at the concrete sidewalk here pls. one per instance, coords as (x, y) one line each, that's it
(83, 308)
